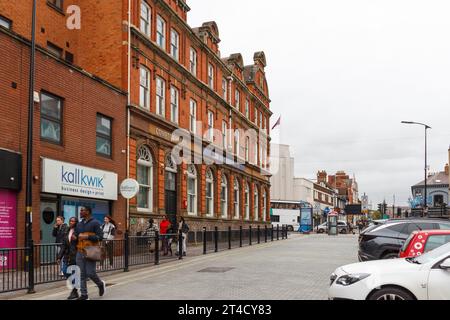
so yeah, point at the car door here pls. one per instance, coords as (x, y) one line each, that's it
(439, 283)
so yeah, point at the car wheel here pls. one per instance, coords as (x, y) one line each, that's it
(390, 256)
(290, 228)
(343, 231)
(391, 294)
(321, 231)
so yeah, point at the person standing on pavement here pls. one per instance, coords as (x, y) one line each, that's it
(184, 228)
(163, 227)
(68, 253)
(109, 233)
(59, 232)
(151, 234)
(88, 234)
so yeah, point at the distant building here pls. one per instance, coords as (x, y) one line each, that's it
(437, 190)
(346, 186)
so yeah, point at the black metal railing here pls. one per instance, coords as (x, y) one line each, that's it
(16, 273)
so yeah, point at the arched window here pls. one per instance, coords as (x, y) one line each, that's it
(247, 202)
(192, 190)
(209, 193)
(256, 203)
(264, 211)
(145, 179)
(224, 196)
(236, 198)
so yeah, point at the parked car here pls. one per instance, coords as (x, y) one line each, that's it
(426, 277)
(342, 227)
(385, 241)
(420, 242)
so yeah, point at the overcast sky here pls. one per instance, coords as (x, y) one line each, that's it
(343, 74)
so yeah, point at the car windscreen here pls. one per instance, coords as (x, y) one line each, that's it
(434, 254)
(444, 226)
(406, 244)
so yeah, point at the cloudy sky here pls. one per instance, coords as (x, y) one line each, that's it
(343, 74)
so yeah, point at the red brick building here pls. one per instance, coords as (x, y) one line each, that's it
(176, 78)
(79, 128)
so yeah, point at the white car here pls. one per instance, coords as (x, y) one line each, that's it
(426, 277)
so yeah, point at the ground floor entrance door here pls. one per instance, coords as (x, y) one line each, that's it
(171, 196)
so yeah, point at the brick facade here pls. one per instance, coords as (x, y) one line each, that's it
(83, 97)
(101, 48)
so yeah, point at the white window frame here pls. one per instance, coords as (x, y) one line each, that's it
(237, 146)
(247, 149)
(210, 133)
(247, 109)
(211, 76)
(236, 200)
(237, 98)
(146, 20)
(161, 34)
(145, 159)
(209, 200)
(192, 175)
(224, 88)
(224, 134)
(144, 92)
(256, 204)
(193, 116)
(160, 97)
(224, 196)
(264, 213)
(193, 61)
(247, 202)
(174, 104)
(5, 23)
(175, 44)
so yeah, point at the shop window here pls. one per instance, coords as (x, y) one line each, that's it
(103, 144)
(51, 118)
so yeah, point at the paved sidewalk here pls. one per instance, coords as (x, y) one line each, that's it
(296, 269)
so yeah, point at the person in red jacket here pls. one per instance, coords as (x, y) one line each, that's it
(163, 226)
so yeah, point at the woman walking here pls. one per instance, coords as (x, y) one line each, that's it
(109, 233)
(68, 253)
(184, 228)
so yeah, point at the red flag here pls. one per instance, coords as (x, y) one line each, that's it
(277, 123)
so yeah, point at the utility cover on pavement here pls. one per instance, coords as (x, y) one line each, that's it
(216, 270)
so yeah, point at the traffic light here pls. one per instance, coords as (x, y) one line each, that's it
(380, 208)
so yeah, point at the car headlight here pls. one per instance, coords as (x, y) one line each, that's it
(350, 279)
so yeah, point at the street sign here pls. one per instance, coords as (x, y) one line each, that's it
(129, 188)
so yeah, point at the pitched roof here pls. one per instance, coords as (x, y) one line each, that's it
(437, 179)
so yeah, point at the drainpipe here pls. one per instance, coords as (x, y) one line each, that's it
(128, 108)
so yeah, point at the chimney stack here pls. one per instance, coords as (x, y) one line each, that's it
(446, 169)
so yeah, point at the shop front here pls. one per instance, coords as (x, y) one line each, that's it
(66, 187)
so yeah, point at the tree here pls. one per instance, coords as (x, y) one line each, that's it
(376, 215)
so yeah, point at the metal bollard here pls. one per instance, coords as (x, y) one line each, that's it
(126, 250)
(265, 233)
(271, 234)
(216, 239)
(259, 235)
(240, 237)
(282, 232)
(250, 236)
(229, 238)
(30, 267)
(204, 240)
(278, 232)
(180, 245)
(287, 232)
(156, 248)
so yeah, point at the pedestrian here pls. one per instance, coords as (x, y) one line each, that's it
(59, 232)
(150, 232)
(163, 227)
(109, 233)
(184, 228)
(68, 253)
(88, 235)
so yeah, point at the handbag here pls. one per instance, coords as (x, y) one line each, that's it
(94, 253)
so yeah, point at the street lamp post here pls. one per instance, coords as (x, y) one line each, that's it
(426, 163)
(29, 177)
